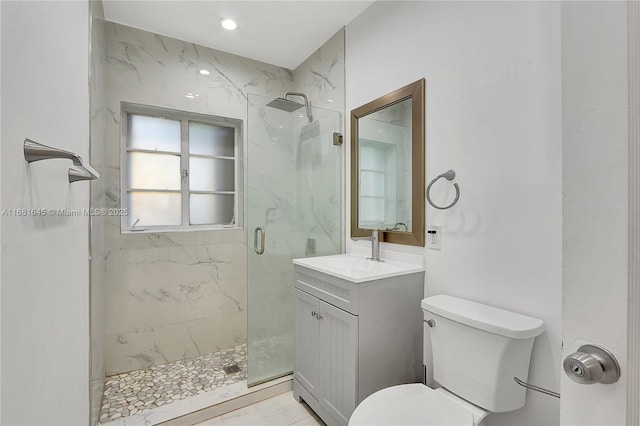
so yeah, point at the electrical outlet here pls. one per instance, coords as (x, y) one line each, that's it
(434, 236)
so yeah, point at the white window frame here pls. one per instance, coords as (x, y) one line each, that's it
(388, 218)
(185, 118)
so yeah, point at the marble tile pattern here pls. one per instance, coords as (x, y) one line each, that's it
(281, 410)
(321, 75)
(173, 295)
(128, 394)
(183, 294)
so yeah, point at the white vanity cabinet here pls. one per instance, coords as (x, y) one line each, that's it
(354, 338)
(326, 362)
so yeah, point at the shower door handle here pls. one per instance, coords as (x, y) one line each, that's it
(259, 230)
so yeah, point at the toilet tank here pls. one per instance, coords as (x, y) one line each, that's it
(478, 349)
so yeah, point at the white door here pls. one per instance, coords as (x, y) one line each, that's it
(600, 82)
(307, 358)
(338, 361)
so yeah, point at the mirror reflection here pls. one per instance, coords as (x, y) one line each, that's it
(385, 168)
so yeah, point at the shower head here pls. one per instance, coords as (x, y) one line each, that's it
(285, 104)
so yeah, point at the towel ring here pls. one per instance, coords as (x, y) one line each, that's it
(448, 175)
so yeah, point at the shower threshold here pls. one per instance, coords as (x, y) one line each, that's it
(167, 391)
(208, 405)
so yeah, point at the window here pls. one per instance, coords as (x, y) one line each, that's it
(377, 184)
(181, 171)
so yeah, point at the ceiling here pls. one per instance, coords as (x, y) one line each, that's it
(282, 33)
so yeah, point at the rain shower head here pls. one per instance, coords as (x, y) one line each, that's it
(284, 104)
(287, 105)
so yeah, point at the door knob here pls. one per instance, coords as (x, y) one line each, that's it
(592, 364)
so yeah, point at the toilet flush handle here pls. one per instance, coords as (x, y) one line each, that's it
(431, 323)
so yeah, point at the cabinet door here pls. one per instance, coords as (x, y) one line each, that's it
(338, 361)
(307, 368)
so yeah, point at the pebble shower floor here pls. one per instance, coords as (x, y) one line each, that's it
(139, 391)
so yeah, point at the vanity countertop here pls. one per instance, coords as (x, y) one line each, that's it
(357, 269)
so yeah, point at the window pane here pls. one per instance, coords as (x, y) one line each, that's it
(371, 158)
(372, 184)
(205, 139)
(371, 210)
(211, 209)
(154, 209)
(153, 171)
(211, 174)
(156, 134)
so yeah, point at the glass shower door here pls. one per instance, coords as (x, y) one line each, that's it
(294, 177)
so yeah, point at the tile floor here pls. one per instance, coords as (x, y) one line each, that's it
(281, 410)
(140, 391)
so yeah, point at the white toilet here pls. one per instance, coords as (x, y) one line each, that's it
(477, 351)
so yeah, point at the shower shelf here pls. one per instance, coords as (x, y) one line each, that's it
(34, 151)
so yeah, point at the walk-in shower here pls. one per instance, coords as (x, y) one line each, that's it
(185, 312)
(293, 209)
(285, 104)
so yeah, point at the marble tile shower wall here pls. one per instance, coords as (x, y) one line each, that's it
(322, 78)
(321, 75)
(174, 295)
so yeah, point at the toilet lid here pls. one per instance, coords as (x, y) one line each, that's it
(413, 404)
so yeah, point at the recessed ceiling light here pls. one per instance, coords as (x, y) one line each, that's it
(205, 72)
(228, 24)
(329, 100)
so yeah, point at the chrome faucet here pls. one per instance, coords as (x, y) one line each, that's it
(396, 226)
(375, 245)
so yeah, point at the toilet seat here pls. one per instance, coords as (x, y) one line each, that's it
(415, 404)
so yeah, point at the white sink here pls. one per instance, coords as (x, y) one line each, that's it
(357, 269)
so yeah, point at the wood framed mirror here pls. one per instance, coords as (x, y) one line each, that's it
(388, 166)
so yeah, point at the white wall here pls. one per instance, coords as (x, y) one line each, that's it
(45, 274)
(1, 205)
(98, 200)
(595, 186)
(493, 115)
